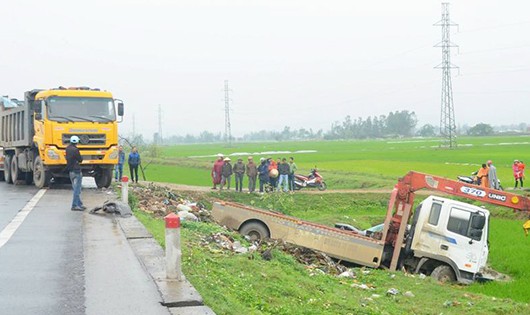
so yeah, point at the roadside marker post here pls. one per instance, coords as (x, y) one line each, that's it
(125, 189)
(173, 249)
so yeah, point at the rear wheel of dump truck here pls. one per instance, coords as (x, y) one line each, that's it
(2, 176)
(41, 177)
(444, 273)
(255, 230)
(7, 169)
(103, 177)
(16, 174)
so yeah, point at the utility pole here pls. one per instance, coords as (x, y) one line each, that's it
(228, 130)
(160, 138)
(447, 117)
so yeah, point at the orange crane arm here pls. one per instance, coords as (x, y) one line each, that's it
(402, 199)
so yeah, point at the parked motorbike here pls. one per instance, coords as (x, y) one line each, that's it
(314, 179)
(474, 180)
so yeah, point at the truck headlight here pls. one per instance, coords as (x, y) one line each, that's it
(52, 154)
(113, 155)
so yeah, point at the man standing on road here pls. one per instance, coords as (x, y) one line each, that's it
(73, 160)
(134, 162)
(239, 171)
(119, 167)
(492, 175)
(292, 170)
(252, 173)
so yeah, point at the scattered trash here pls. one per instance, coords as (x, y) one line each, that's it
(114, 206)
(422, 276)
(392, 276)
(347, 274)
(392, 291)
(376, 296)
(409, 294)
(361, 286)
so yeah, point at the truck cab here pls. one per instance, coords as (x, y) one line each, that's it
(446, 232)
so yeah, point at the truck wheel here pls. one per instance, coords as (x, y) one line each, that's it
(16, 174)
(41, 177)
(7, 169)
(255, 230)
(322, 186)
(103, 177)
(444, 273)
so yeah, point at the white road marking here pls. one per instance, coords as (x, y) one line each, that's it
(12, 227)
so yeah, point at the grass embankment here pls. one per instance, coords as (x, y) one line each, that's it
(246, 284)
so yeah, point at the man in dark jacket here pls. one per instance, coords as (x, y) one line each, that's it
(283, 169)
(263, 171)
(73, 160)
(252, 173)
(134, 162)
(239, 171)
(226, 174)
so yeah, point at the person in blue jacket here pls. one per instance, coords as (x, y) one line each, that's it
(134, 162)
(263, 171)
(118, 172)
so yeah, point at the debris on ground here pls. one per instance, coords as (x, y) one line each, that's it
(160, 201)
(392, 291)
(114, 207)
(409, 294)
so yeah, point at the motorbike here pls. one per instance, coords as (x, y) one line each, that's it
(314, 179)
(474, 180)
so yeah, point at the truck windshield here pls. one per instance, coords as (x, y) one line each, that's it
(81, 109)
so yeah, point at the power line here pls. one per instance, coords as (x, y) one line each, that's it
(228, 128)
(447, 115)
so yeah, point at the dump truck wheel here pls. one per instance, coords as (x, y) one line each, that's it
(2, 176)
(103, 178)
(444, 273)
(322, 186)
(255, 230)
(7, 170)
(16, 174)
(41, 177)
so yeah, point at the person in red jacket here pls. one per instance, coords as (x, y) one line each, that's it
(272, 166)
(216, 171)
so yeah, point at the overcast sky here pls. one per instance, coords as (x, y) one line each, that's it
(298, 63)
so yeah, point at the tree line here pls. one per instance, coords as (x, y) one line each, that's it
(395, 124)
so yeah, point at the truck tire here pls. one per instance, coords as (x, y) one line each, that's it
(255, 230)
(7, 169)
(2, 176)
(444, 273)
(103, 177)
(41, 177)
(16, 174)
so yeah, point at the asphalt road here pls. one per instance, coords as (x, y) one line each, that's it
(60, 261)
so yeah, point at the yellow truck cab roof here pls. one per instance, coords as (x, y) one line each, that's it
(73, 92)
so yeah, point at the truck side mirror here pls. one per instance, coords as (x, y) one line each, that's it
(120, 108)
(478, 221)
(37, 110)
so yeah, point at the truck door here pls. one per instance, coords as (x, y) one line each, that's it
(464, 241)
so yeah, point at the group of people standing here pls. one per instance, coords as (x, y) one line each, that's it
(279, 174)
(134, 161)
(487, 174)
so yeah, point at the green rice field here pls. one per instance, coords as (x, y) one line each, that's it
(349, 164)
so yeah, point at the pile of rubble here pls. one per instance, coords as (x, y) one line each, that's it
(315, 262)
(160, 201)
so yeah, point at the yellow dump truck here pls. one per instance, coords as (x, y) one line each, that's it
(35, 132)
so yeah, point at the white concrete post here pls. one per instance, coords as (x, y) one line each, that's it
(173, 249)
(125, 189)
